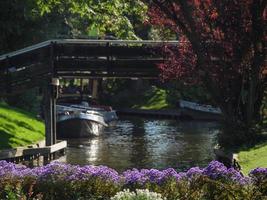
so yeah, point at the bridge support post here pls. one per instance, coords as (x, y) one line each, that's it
(50, 95)
(95, 88)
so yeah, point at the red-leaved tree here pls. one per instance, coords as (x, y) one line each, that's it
(223, 47)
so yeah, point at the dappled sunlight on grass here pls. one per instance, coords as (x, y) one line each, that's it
(253, 157)
(18, 128)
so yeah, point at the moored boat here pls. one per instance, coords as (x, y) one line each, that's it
(77, 120)
(192, 110)
(76, 123)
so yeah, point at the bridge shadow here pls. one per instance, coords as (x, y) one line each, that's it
(254, 146)
(19, 123)
(5, 140)
(8, 137)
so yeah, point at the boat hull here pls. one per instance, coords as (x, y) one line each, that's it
(192, 110)
(79, 121)
(199, 115)
(78, 128)
(79, 125)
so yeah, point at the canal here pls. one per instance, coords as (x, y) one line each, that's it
(136, 142)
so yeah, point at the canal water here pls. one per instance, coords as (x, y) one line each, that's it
(136, 142)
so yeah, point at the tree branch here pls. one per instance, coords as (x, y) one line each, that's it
(170, 13)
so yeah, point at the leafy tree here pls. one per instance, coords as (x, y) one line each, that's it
(25, 22)
(223, 47)
(17, 20)
(85, 17)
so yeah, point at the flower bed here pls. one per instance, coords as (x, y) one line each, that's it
(64, 181)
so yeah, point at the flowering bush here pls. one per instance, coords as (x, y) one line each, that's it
(64, 181)
(138, 195)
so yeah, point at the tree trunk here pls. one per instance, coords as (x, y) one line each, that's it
(242, 115)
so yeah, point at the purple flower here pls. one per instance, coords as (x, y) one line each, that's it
(134, 176)
(143, 176)
(194, 171)
(259, 172)
(11, 170)
(87, 172)
(57, 171)
(217, 170)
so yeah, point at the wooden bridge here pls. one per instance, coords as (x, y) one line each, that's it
(27, 67)
(43, 63)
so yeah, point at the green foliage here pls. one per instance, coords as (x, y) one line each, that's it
(42, 20)
(13, 34)
(102, 17)
(151, 95)
(95, 188)
(140, 96)
(155, 98)
(196, 93)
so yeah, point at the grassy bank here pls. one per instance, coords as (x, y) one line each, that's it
(18, 128)
(254, 157)
(150, 98)
(153, 99)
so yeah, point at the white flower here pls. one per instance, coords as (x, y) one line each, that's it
(137, 195)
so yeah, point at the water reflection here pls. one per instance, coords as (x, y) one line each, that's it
(147, 143)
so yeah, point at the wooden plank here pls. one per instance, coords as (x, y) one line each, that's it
(26, 49)
(116, 42)
(11, 153)
(102, 65)
(58, 146)
(79, 64)
(46, 150)
(85, 50)
(118, 73)
(132, 51)
(150, 75)
(23, 151)
(35, 151)
(81, 50)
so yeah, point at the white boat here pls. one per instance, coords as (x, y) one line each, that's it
(194, 110)
(82, 120)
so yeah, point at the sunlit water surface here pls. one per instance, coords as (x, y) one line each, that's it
(147, 143)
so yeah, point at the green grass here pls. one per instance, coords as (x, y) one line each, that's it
(253, 158)
(18, 128)
(155, 99)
